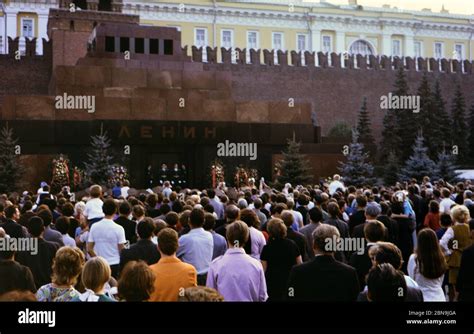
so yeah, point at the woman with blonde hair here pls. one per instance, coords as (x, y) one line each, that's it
(95, 276)
(455, 240)
(67, 266)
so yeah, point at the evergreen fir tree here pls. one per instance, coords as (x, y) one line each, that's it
(406, 120)
(446, 167)
(471, 133)
(99, 168)
(390, 142)
(10, 167)
(419, 163)
(442, 123)
(427, 121)
(459, 132)
(390, 170)
(294, 167)
(357, 170)
(363, 125)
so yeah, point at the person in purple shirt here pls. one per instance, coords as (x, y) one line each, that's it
(236, 275)
(216, 203)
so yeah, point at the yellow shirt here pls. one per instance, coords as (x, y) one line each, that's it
(172, 277)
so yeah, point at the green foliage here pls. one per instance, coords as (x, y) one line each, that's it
(357, 170)
(99, 168)
(294, 167)
(10, 167)
(340, 130)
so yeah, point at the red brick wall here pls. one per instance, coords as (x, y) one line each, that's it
(336, 94)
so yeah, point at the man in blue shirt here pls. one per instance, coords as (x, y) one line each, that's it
(197, 246)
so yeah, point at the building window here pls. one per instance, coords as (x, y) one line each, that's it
(418, 51)
(168, 47)
(277, 44)
(109, 44)
(227, 42)
(124, 44)
(200, 40)
(438, 50)
(139, 45)
(327, 44)
(154, 46)
(200, 37)
(27, 26)
(302, 42)
(227, 39)
(105, 5)
(361, 47)
(396, 48)
(252, 43)
(277, 41)
(252, 40)
(458, 52)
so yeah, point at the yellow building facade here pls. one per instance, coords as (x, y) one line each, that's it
(312, 26)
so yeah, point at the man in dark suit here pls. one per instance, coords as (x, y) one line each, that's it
(323, 278)
(374, 231)
(128, 225)
(40, 260)
(14, 276)
(11, 227)
(358, 217)
(372, 211)
(232, 214)
(144, 249)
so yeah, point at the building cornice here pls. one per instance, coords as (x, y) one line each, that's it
(296, 20)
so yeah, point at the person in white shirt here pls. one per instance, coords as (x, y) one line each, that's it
(40, 189)
(107, 238)
(297, 216)
(167, 189)
(428, 265)
(336, 184)
(124, 190)
(446, 203)
(93, 211)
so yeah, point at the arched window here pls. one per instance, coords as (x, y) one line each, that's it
(361, 47)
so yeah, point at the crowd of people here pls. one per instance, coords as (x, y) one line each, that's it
(326, 242)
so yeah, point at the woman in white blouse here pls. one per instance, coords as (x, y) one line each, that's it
(427, 266)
